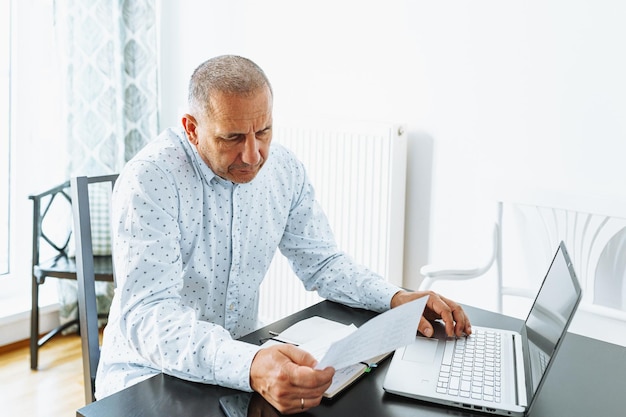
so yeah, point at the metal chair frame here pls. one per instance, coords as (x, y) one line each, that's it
(86, 278)
(61, 265)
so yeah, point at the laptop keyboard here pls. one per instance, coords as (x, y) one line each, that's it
(471, 367)
(543, 361)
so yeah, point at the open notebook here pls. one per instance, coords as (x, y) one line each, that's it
(307, 332)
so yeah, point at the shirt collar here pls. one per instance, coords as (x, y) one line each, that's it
(206, 172)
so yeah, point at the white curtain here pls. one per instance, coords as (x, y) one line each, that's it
(109, 58)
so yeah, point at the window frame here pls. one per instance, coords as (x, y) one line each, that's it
(38, 154)
(5, 136)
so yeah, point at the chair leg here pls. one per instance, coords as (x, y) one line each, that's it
(34, 324)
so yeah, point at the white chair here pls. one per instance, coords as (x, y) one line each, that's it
(87, 305)
(526, 232)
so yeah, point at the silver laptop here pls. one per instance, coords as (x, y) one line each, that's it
(493, 370)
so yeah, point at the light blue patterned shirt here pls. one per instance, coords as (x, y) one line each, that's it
(190, 252)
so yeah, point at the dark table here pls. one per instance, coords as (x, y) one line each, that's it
(585, 380)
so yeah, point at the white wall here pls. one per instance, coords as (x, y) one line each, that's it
(525, 92)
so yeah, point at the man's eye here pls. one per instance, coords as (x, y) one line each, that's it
(264, 133)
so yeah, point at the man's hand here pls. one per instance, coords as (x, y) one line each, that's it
(438, 307)
(284, 376)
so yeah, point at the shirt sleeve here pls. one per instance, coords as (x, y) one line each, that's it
(153, 319)
(309, 244)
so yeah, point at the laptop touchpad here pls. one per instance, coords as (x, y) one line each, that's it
(423, 350)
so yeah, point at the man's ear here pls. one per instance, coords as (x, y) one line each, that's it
(190, 125)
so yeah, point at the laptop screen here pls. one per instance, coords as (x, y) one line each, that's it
(551, 313)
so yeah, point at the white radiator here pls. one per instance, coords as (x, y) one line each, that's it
(359, 175)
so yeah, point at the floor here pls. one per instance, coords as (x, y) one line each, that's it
(55, 389)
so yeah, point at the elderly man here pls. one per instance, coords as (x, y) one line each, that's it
(197, 217)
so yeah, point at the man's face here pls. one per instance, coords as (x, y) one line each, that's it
(235, 141)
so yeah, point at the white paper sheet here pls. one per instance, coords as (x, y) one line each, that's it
(311, 329)
(384, 333)
(320, 345)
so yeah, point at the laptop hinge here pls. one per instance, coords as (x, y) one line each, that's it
(520, 379)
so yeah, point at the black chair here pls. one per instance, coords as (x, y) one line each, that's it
(86, 277)
(51, 258)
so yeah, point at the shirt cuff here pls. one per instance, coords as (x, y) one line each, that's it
(232, 364)
(380, 296)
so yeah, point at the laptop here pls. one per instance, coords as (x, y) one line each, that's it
(494, 370)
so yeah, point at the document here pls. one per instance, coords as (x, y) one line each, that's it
(350, 350)
(316, 334)
(382, 334)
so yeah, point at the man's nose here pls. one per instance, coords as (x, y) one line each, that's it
(250, 153)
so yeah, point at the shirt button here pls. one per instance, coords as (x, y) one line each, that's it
(231, 307)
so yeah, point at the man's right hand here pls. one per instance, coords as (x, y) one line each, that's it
(284, 376)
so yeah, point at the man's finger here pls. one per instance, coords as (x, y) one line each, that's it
(425, 327)
(440, 309)
(462, 325)
(299, 369)
(298, 356)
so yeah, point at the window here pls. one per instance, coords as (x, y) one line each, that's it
(32, 158)
(5, 132)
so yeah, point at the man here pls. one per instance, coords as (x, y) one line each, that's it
(197, 217)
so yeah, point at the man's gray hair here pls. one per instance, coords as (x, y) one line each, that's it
(224, 74)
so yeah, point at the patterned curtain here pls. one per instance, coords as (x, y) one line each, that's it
(108, 53)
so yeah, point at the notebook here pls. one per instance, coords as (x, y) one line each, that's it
(493, 370)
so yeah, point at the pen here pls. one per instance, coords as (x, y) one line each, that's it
(274, 336)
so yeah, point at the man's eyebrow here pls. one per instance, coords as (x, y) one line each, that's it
(228, 135)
